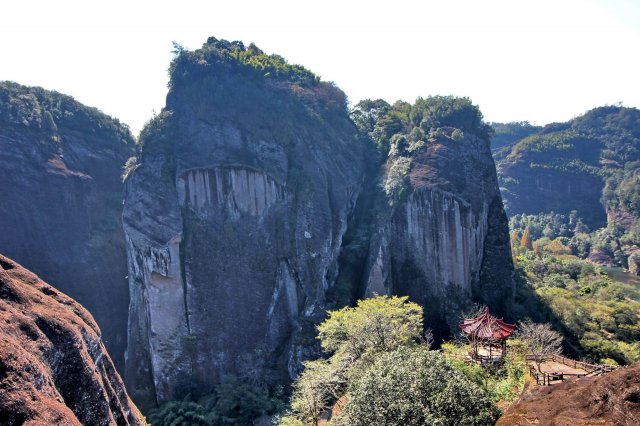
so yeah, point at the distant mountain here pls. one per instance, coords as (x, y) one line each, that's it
(506, 134)
(566, 166)
(587, 168)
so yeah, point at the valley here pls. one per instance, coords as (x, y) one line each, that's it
(264, 250)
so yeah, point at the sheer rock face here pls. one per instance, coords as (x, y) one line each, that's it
(232, 237)
(447, 243)
(54, 368)
(539, 189)
(60, 168)
(235, 217)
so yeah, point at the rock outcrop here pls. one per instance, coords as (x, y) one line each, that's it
(444, 240)
(54, 368)
(60, 168)
(253, 194)
(234, 217)
(612, 399)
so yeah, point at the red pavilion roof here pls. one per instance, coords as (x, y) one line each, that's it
(486, 326)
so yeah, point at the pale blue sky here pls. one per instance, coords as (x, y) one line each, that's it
(539, 60)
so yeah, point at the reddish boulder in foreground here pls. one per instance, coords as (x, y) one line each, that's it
(54, 368)
(612, 399)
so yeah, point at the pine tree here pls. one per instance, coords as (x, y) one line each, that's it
(525, 241)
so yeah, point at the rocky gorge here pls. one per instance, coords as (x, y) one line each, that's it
(253, 202)
(235, 225)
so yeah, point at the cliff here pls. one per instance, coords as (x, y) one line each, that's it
(60, 167)
(54, 368)
(612, 399)
(441, 235)
(234, 216)
(256, 204)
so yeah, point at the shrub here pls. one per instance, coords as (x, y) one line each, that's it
(374, 325)
(355, 337)
(414, 386)
(180, 413)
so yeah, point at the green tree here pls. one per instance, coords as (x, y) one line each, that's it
(415, 386)
(239, 403)
(375, 325)
(180, 413)
(354, 337)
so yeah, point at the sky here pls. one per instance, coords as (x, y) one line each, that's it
(535, 60)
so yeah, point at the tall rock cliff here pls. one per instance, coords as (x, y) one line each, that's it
(441, 234)
(54, 368)
(60, 168)
(234, 216)
(256, 204)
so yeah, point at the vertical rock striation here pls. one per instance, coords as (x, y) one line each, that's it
(252, 190)
(234, 218)
(60, 168)
(442, 236)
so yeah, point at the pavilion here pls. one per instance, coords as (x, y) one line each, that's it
(485, 331)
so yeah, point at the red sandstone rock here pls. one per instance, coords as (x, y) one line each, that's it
(612, 399)
(54, 369)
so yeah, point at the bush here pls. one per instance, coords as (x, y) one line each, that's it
(386, 377)
(180, 413)
(355, 337)
(414, 386)
(238, 403)
(374, 325)
(235, 403)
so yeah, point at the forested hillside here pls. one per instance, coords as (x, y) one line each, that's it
(572, 191)
(582, 180)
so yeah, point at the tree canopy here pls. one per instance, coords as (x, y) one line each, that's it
(415, 386)
(375, 325)
(378, 364)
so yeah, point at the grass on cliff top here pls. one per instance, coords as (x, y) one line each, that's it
(223, 70)
(234, 55)
(262, 95)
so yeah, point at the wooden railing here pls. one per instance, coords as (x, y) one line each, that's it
(543, 378)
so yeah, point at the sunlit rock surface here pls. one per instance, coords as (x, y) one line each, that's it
(446, 245)
(54, 368)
